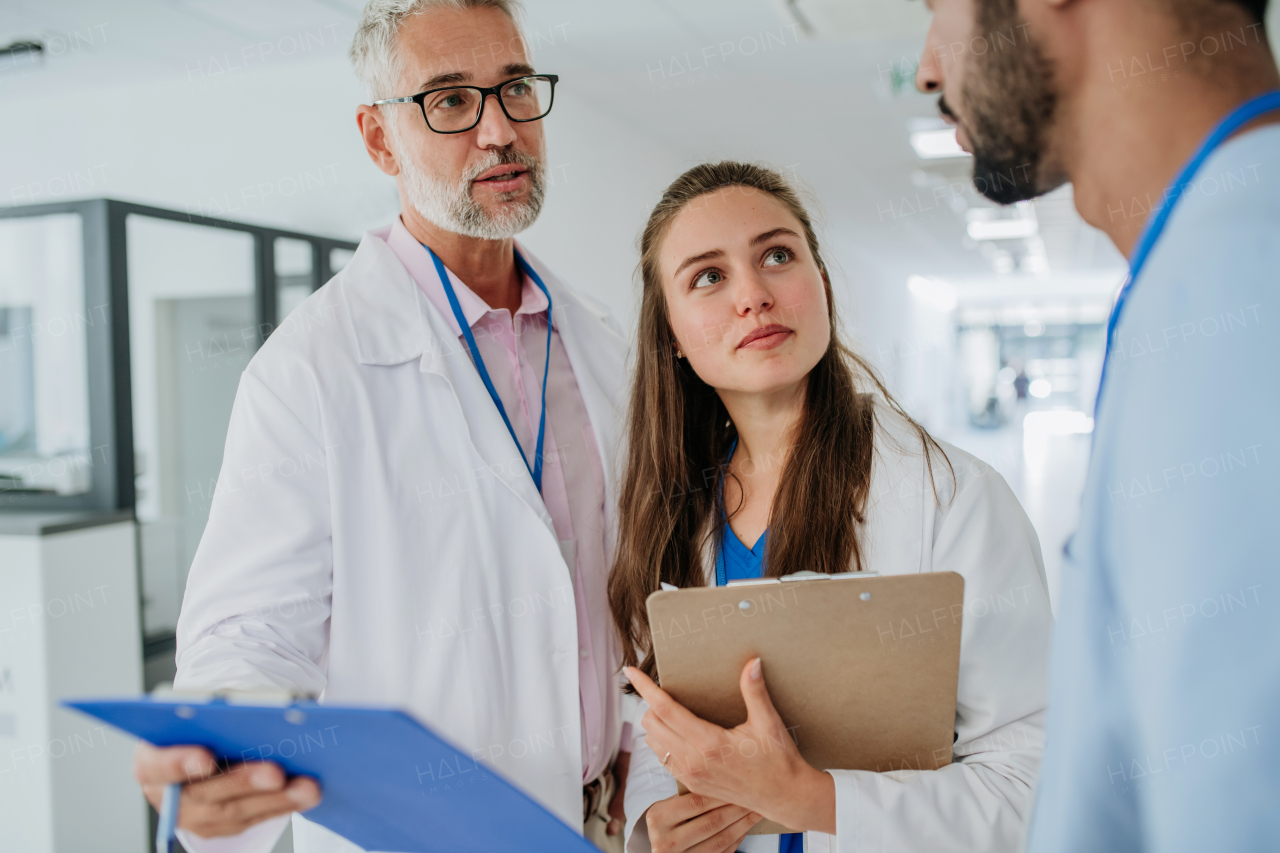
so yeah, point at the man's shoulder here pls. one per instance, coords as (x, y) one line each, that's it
(1233, 199)
(313, 329)
(367, 311)
(312, 345)
(1182, 372)
(1219, 254)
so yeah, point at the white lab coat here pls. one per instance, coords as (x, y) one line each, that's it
(376, 537)
(982, 801)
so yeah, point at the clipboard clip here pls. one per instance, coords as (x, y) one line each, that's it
(802, 576)
(838, 576)
(794, 576)
(257, 696)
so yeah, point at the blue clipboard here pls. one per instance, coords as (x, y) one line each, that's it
(387, 782)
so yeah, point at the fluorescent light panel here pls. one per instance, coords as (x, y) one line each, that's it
(1002, 229)
(937, 144)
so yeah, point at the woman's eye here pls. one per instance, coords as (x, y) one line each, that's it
(707, 277)
(777, 257)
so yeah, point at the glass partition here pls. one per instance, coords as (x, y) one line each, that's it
(193, 329)
(44, 395)
(123, 333)
(295, 276)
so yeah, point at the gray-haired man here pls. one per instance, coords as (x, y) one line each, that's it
(461, 568)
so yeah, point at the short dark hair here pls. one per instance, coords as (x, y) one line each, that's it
(1256, 8)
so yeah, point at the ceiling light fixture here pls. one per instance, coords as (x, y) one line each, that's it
(22, 50)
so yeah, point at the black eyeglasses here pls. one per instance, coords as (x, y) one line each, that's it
(457, 109)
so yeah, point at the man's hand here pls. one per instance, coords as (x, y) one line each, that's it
(216, 803)
(698, 824)
(755, 764)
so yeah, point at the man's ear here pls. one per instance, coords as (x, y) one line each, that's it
(371, 122)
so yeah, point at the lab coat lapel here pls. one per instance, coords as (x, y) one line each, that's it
(395, 322)
(595, 354)
(383, 306)
(450, 359)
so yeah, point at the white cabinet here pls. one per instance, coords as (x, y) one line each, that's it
(69, 628)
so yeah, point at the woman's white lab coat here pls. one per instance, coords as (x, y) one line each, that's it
(375, 535)
(983, 800)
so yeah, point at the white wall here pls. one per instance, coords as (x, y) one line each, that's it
(278, 145)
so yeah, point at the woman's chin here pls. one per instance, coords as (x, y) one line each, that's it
(777, 371)
(758, 385)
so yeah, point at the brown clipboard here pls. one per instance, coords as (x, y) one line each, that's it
(862, 668)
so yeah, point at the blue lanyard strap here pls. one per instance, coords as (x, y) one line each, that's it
(535, 471)
(722, 574)
(1239, 117)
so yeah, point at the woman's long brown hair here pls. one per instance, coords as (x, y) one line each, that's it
(680, 434)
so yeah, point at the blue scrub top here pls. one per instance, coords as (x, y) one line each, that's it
(1165, 677)
(743, 563)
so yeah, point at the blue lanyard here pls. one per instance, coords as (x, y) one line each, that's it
(535, 470)
(722, 574)
(1240, 116)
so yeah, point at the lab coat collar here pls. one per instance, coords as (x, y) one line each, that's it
(395, 322)
(387, 311)
(422, 269)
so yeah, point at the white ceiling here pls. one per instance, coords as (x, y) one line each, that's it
(715, 78)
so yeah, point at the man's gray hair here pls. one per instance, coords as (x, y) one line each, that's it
(375, 48)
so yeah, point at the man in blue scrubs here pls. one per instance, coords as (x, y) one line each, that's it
(1164, 713)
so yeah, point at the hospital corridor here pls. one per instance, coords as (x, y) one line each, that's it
(407, 405)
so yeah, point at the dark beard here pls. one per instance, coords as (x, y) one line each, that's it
(1010, 98)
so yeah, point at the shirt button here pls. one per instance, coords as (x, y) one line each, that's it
(595, 747)
(583, 653)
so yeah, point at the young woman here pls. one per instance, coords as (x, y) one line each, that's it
(760, 445)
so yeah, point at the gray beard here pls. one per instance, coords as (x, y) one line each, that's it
(451, 207)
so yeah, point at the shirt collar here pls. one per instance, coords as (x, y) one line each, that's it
(417, 260)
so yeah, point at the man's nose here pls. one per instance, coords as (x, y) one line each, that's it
(929, 72)
(495, 129)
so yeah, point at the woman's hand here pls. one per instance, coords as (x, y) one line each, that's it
(696, 823)
(756, 764)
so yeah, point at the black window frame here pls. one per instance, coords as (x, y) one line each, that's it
(106, 282)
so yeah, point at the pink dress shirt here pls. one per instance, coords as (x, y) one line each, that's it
(514, 349)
